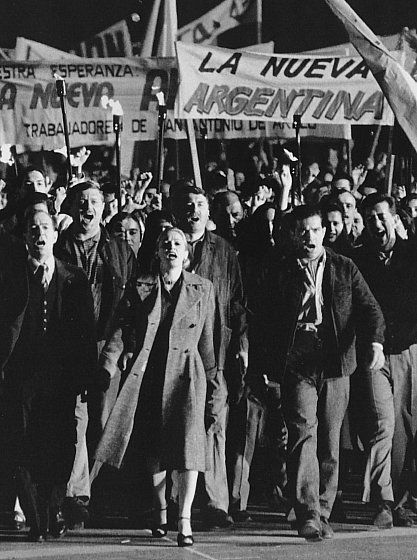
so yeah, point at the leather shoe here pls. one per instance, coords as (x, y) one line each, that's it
(383, 518)
(35, 536)
(326, 529)
(401, 518)
(75, 510)
(310, 530)
(58, 526)
(215, 519)
(241, 515)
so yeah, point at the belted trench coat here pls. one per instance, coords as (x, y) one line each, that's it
(190, 364)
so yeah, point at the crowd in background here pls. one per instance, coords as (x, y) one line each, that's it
(227, 238)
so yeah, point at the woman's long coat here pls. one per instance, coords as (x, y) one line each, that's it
(190, 363)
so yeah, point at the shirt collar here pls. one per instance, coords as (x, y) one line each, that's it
(35, 264)
(94, 239)
(200, 239)
(303, 263)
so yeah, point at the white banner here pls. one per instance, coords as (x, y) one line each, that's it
(237, 129)
(30, 111)
(236, 84)
(114, 41)
(27, 49)
(397, 84)
(206, 28)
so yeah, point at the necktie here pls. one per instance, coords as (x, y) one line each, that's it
(41, 276)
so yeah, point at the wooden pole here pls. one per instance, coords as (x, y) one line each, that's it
(117, 127)
(162, 116)
(61, 92)
(375, 141)
(259, 21)
(194, 153)
(297, 126)
(390, 162)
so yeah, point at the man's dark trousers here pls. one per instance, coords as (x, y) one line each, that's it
(314, 408)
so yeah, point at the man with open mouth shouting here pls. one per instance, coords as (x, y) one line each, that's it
(314, 304)
(109, 264)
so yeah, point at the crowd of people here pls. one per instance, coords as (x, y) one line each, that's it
(170, 330)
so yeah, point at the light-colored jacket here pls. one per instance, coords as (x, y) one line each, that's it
(190, 364)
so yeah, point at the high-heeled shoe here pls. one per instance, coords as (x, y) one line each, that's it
(184, 540)
(159, 529)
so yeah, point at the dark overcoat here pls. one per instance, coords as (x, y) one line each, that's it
(190, 363)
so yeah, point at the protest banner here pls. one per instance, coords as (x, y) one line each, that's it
(30, 108)
(213, 23)
(236, 84)
(26, 49)
(114, 41)
(397, 84)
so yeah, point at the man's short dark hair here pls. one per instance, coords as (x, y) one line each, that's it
(332, 205)
(304, 212)
(343, 175)
(182, 189)
(376, 198)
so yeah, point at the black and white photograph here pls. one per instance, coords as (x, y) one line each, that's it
(208, 279)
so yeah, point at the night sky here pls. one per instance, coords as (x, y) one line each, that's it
(293, 24)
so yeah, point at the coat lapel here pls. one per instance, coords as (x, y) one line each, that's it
(328, 281)
(62, 276)
(149, 291)
(190, 294)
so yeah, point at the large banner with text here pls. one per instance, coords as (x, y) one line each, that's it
(30, 110)
(237, 84)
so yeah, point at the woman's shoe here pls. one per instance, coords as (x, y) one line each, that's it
(159, 529)
(185, 540)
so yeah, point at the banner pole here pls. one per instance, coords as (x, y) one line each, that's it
(62, 93)
(390, 161)
(117, 128)
(162, 115)
(194, 153)
(259, 21)
(297, 126)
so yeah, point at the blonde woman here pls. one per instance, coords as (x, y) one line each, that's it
(165, 337)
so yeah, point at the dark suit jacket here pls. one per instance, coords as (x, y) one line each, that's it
(37, 408)
(347, 298)
(73, 341)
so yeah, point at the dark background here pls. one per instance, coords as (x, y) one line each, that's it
(294, 25)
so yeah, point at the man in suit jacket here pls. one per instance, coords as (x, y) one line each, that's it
(315, 304)
(48, 355)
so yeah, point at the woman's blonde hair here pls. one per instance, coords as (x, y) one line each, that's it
(164, 235)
